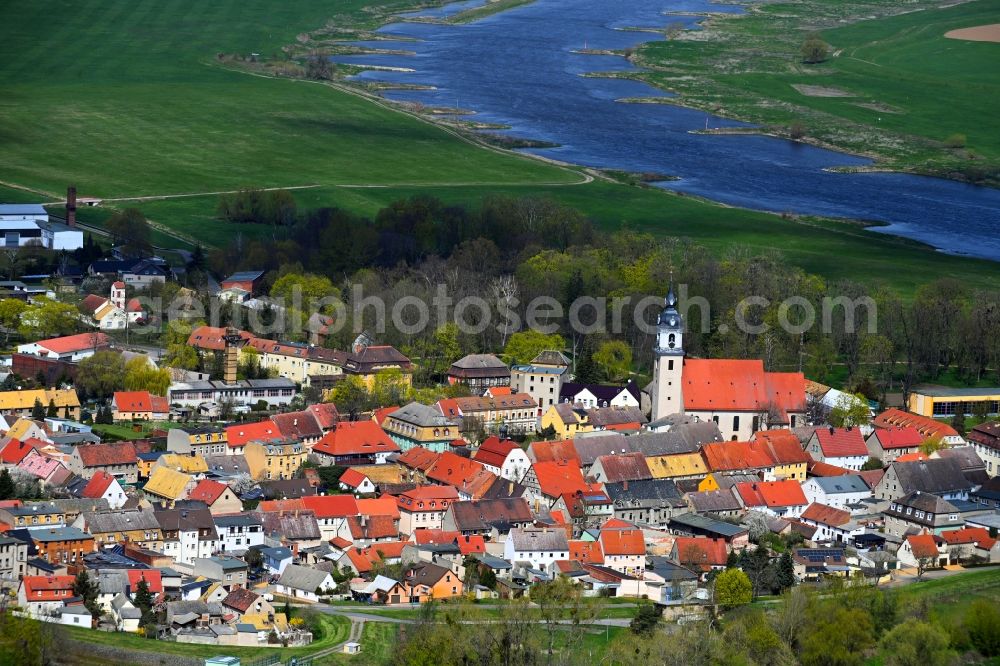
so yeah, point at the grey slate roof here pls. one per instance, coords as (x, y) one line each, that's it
(848, 483)
(120, 521)
(591, 447)
(302, 578)
(710, 501)
(697, 522)
(966, 456)
(423, 416)
(538, 539)
(483, 514)
(931, 476)
(643, 492)
(292, 526)
(927, 502)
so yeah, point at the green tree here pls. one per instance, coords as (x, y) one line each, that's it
(48, 318)
(872, 463)
(351, 395)
(389, 387)
(8, 489)
(958, 422)
(52, 411)
(733, 588)
(11, 310)
(526, 345)
(131, 232)
(851, 411)
(87, 589)
(836, 636)
(932, 444)
(38, 410)
(303, 290)
(786, 571)
(982, 622)
(100, 375)
(143, 599)
(916, 643)
(646, 620)
(24, 642)
(140, 375)
(814, 50)
(613, 359)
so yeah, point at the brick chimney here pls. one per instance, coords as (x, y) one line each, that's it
(71, 206)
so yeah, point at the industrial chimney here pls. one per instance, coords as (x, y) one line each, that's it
(231, 355)
(71, 206)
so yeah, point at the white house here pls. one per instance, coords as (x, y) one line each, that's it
(301, 583)
(239, 532)
(276, 558)
(832, 525)
(598, 395)
(838, 492)
(29, 224)
(538, 547)
(44, 596)
(843, 447)
(504, 458)
(67, 348)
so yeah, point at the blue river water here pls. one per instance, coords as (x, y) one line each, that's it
(519, 68)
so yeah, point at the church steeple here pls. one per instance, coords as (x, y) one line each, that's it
(668, 362)
(670, 327)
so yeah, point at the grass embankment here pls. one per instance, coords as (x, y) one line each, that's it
(491, 7)
(128, 99)
(894, 87)
(335, 630)
(949, 598)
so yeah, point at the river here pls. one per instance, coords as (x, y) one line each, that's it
(519, 68)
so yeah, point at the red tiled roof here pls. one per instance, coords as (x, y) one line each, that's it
(48, 588)
(497, 391)
(562, 449)
(494, 451)
(898, 438)
(771, 493)
(331, 506)
(352, 477)
(374, 527)
(384, 550)
(262, 431)
(466, 475)
(74, 343)
(617, 524)
(782, 446)
(872, 476)
(927, 427)
(360, 562)
(98, 485)
(587, 552)
(240, 599)
(92, 302)
(826, 469)
(923, 545)
(916, 456)
(133, 401)
(841, 442)
(100, 455)
(297, 425)
(418, 458)
(424, 536)
(210, 337)
(383, 506)
(624, 467)
(975, 535)
(826, 515)
(153, 578)
(557, 478)
(740, 385)
(470, 544)
(134, 305)
(378, 416)
(701, 553)
(207, 491)
(160, 405)
(623, 542)
(15, 451)
(733, 456)
(355, 438)
(326, 414)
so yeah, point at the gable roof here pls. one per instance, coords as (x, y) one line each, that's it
(826, 515)
(603, 392)
(586, 552)
(133, 401)
(702, 553)
(297, 425)
(623, 542)
(243, 433)
(153, 578)
(535, 539)
(207, 491)
(326, 414)
(783, 447)
(356, 438)
(923, 545)
(938, 476)
(562, 449)
(330, 506)
(711, 501)
(15, 451)
(927, 427)
(98, 485)
(494, 451)
(68, 344)
(302, 578)
(466, 475)
(837, 485)
(167, 483)
(353, 478)
(609, 417)
(557, 478)
(740, 385)
(735, 456)
(974, 535)
(418, 458)
(481, 515)
(898, 438)
(841, 442)
(627, 467)
(100, 455)
(771, 493)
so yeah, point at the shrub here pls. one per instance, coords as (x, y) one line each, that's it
(814, 50)
(955, 141)
(797, 131)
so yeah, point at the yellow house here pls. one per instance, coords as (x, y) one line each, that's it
(708, 483)
(198, 440)
(416, 424)
(187, 464)
(22, 402)
(168, 484)
(274, 460)
(678, 466)
(566, 420)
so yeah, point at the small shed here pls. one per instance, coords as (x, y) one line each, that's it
(352, 647)
(222, 661)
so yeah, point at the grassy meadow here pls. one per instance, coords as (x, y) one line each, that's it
(893, 87)
(127, 99)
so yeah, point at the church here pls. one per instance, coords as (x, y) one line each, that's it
(738, 395)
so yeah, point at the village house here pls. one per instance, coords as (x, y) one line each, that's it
(486, 517)
(356, 482)
(118, 460)
(33, 515)
(330, 512)
(619, 468)
(187, 533)
(542, 378)
(511, 414)
(114, 313)
(565, 420)
(43, 596)
(599, 395)
(104, 486)
(231, 572)
(843, 447)
(942, 477)
(239, 532)
(783, 499)
(470, 478)
(244, 602)
(274, 460)
(62, 545)
(788, 459)
(889, 443)
(832, 525)
(839, 492)
(219, 498)
(929, 428)
(421, 425)
(13, 557)
(428, 582)
(721, 503)
(67, 348)
(354, 443)
(677, 466)
(700, 554)
(202, 441)
(624, 550)
(424, 507)
(923, 550)
(113, 528)
(21, 403)
(536, 547)
(479, 372)
(139, 406)
(302, 583)
(985, 438)
(168, 485)
(918, 512)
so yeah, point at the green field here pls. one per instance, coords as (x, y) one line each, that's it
(894, 86)
(127, 99)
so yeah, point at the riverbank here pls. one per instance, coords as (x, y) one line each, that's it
(892, 87)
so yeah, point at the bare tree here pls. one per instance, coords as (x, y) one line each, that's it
(505, 293)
